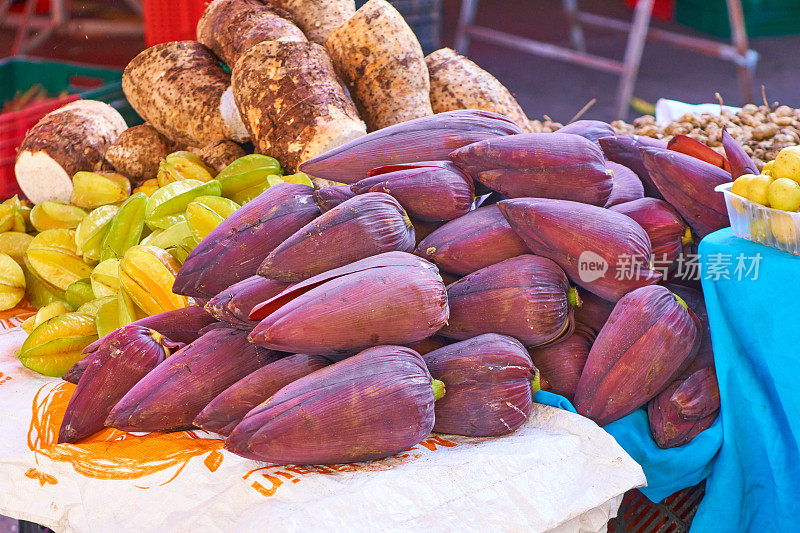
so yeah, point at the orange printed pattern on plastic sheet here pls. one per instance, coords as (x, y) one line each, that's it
(110, 453)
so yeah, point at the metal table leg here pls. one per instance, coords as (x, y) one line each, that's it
(633, 56)
(638, 32)
(744, 66)
(466, 19)
(575, 28)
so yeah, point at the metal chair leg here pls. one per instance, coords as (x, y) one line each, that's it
(633, 56)
(4, 7)
(744, 67)
(22, 30)
(575, 28)
(466, 18)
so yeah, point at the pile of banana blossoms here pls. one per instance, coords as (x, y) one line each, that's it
(347, 322)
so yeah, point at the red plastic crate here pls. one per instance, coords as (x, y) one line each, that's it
(662, 9)
(13, 127)
(171, 20)
(42, 7)
(637, 514)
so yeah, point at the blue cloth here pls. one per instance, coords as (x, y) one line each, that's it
(554, 400)
(755, 330)
(670, 470)
(753, 481)
(667, 471)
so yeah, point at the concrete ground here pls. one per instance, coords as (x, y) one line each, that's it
(544, 86)
(559, 90)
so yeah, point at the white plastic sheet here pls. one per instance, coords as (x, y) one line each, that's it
(671, 110)
(559, 472)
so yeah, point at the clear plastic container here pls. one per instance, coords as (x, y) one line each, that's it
(765, 225)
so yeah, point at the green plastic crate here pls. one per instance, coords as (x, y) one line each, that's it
(761, 17)
(20, 73)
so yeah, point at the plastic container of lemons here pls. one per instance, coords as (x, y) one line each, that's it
(764, 225)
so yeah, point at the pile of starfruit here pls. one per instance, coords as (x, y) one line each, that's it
(110, 256)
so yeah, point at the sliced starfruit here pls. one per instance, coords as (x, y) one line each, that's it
(55, 346)
(248, 172)
(206, 213)
(184, 248)
(179, 253)
(79, 293)
(92, 230)
(147, 187)
(22, 209)
(49, 311)
(56, 215)
(19, 215)
(105, 278)
(183, 166)
(15, 244)
(93, 189)
(106, 319)
(168, 205)
(91, 308)
(6, 218)
(172, 236)
(298, 178)
(29, 324)
(39, 292)
(125, 229)
(146, 274)
(12, 282)
(245, 195)
(127, 310)
(54, 256)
